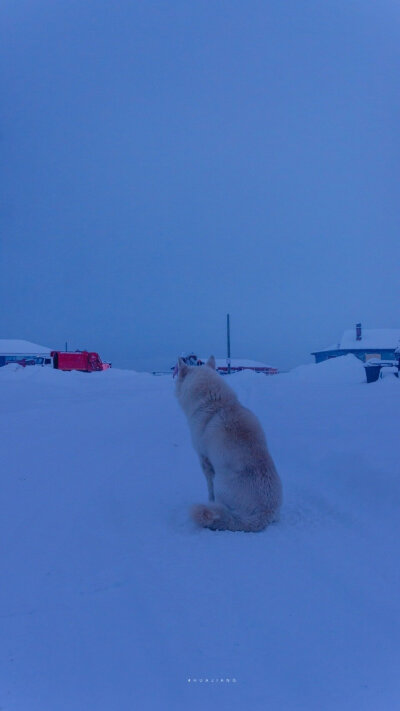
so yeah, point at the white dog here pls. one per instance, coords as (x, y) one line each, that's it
(241, 476)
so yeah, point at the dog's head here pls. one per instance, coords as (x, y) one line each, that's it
(189, 375)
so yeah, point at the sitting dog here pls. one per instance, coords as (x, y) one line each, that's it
(241, 476)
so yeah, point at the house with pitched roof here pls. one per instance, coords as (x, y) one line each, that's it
(365, 343)
(17, 351)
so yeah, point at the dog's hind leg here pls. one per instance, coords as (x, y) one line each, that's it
(209, 474)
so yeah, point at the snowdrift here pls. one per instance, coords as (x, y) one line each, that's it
(345, 369)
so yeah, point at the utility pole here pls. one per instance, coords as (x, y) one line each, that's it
(66, 346)
(228, 336)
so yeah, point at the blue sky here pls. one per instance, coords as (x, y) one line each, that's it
(163, 163)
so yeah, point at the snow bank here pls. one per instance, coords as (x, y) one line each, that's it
(345, 369)
(10, 368)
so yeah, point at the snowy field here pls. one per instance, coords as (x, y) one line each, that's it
(111, 600)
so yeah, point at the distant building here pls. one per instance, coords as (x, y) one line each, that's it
(15, 351)
(365, 343)
(238, 364)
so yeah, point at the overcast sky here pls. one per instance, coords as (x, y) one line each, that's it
(163, 163)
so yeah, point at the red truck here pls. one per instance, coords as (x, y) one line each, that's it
(78, 360)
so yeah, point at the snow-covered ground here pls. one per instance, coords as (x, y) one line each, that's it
(111, 600)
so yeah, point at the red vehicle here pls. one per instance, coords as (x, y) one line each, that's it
(78, 360)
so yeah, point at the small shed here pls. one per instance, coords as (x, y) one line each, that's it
(365, 343)
(17, 351)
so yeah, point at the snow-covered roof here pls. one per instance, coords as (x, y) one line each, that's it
(371, 338)
(17, 347)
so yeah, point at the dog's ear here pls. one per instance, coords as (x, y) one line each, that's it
(211, 362)
(182, 368)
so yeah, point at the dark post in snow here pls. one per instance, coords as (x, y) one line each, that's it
(228, 336)
(66, 346)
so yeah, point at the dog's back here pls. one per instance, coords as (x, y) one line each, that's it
(229, 437)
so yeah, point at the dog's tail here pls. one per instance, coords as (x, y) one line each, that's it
(219, 518)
